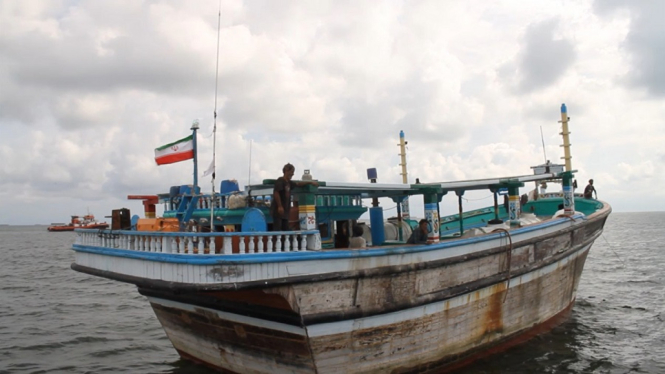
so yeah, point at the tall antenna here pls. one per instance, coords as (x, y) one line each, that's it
(214, 128)
(543, 140)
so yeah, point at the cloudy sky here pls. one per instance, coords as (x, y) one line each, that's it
(89, 88)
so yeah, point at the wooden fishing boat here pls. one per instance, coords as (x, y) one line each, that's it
(77, 222)
(244, 299)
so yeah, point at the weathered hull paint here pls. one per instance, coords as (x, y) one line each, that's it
(426, 338)
(402, 310)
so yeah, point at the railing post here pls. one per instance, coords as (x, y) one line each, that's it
(260, 243)
(201, 245)
(303, 242)
(270, 245)
(173, 244)
(278, 243)
(228, 245)
(250, 246)
(288, 239)
(212, 245)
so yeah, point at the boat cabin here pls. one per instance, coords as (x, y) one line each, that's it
(332, 209)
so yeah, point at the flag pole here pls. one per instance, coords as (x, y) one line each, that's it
(195, 126)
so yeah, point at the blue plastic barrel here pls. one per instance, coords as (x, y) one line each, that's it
(254, 221)
(376, 222)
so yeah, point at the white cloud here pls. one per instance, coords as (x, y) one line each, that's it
(90, 88)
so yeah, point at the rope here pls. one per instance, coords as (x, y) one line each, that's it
(510, 257)
(613, 251)
(482, 198)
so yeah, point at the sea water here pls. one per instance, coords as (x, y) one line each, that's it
(56, 320)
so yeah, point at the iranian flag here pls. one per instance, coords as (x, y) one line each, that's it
(180, 150)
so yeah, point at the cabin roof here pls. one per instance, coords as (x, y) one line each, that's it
(367, 190)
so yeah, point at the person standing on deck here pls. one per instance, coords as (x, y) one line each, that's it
(589, 190)
(419, 235)
(281, 198)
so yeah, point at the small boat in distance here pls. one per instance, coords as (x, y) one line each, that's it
(86, 222)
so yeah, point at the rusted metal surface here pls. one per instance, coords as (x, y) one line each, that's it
(232, 345)
(483, 320)
(327, 300)
(430, 342)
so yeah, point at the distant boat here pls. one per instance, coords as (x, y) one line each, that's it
(86, 222)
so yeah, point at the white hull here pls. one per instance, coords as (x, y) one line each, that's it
(432, 334)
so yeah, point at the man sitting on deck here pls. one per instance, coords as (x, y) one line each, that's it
(419, 235)
(357, 241)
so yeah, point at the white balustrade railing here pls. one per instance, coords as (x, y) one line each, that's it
(221, 243)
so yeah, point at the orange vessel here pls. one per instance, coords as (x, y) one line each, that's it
(87, 222)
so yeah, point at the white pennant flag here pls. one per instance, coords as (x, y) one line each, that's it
(210, 169)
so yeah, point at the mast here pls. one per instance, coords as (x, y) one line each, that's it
(405, 179)
(567, 177)
(566, 140)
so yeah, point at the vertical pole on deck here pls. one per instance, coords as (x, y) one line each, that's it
(514, 208)
(568, 196)
(376, 214)
(496, 204)
(400, 234)
(195, 126)
(460, 211)
(432, 215)
(307, 207)
(566, 139)
(405, 179)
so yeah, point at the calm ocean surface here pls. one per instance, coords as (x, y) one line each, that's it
(55, 320)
